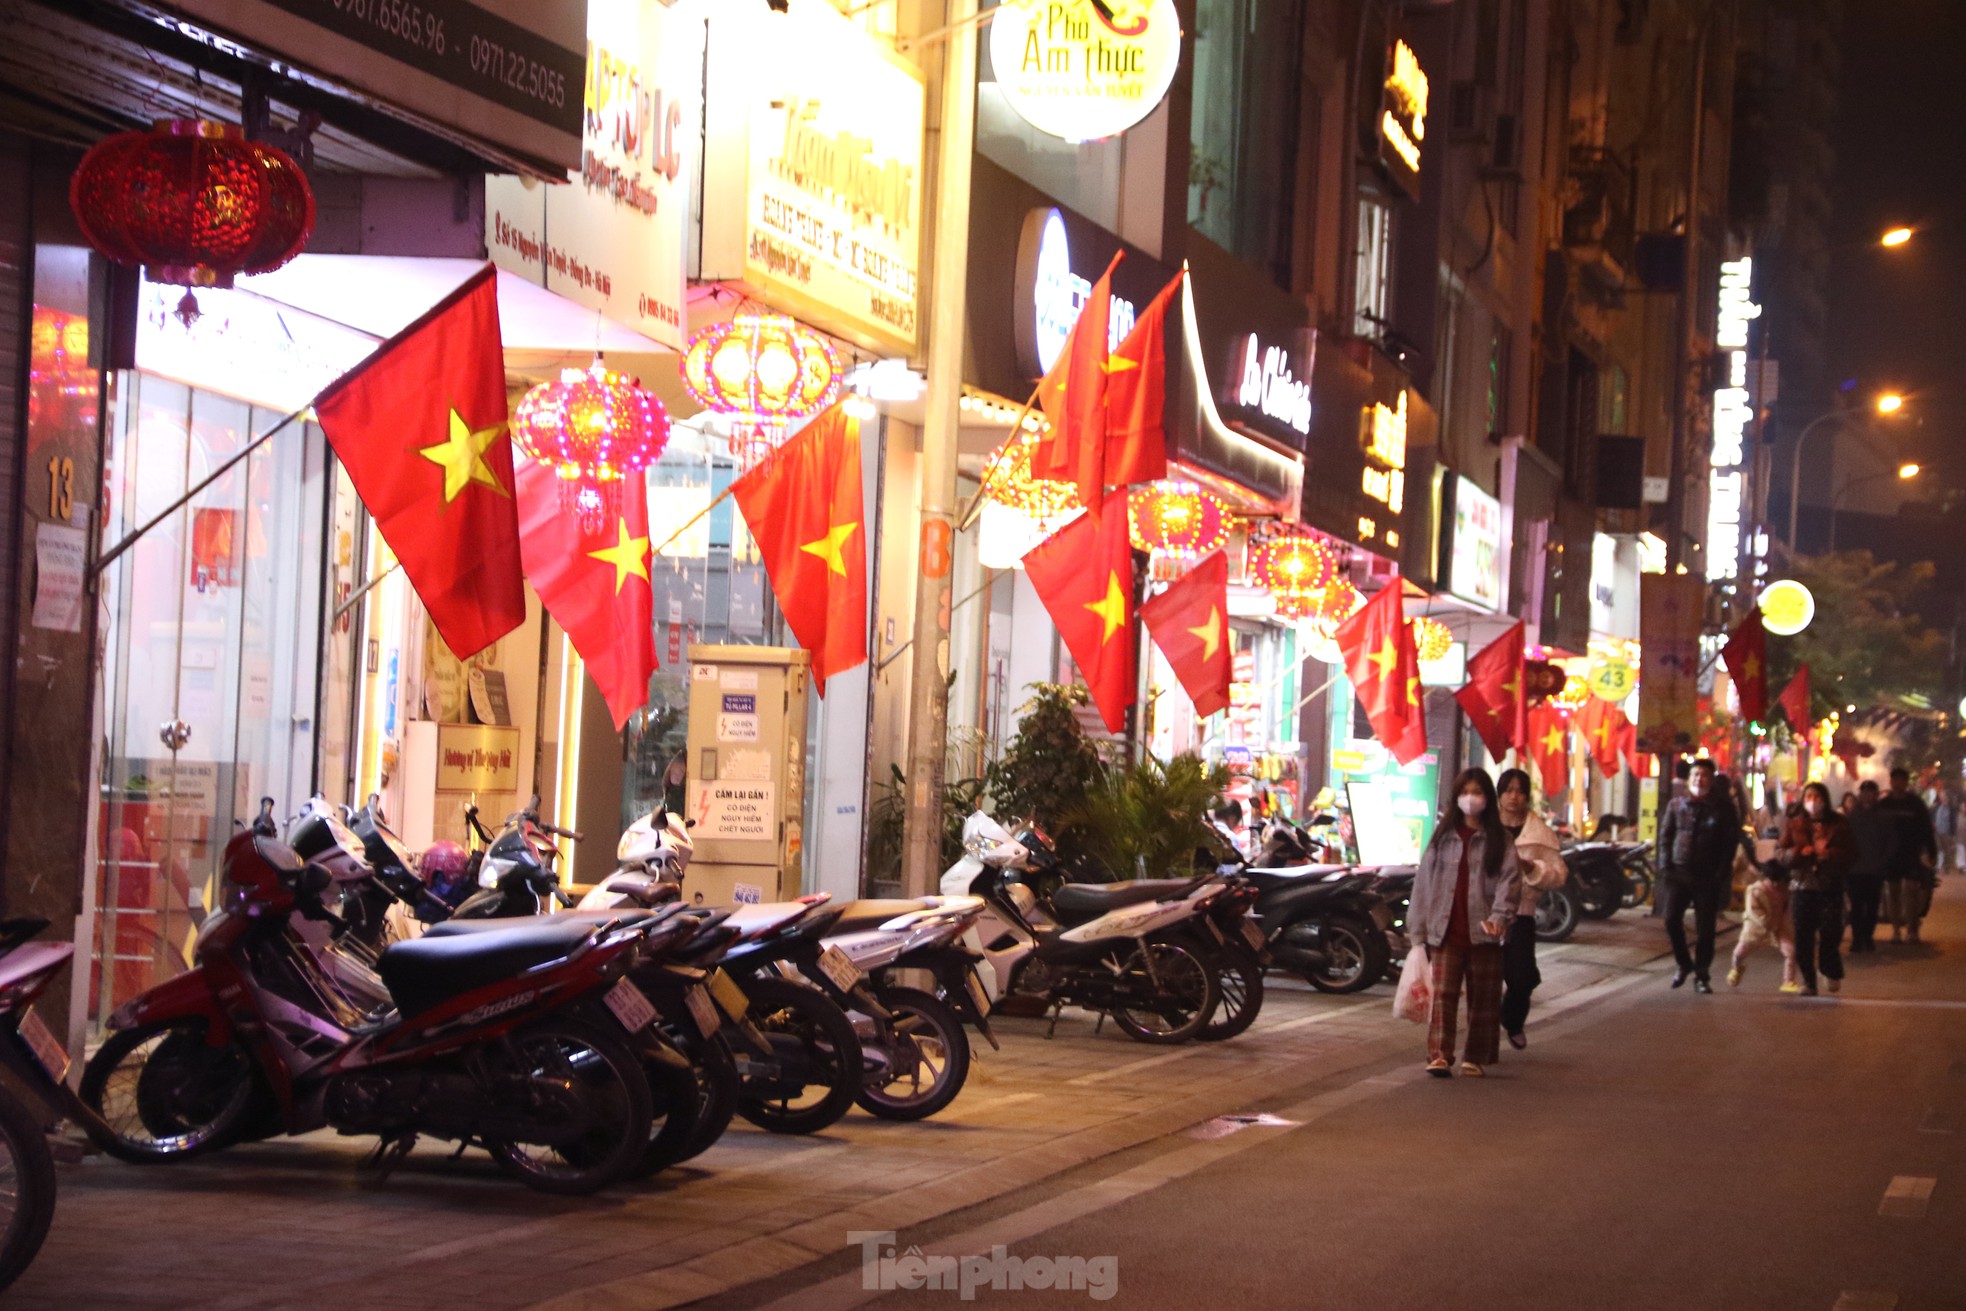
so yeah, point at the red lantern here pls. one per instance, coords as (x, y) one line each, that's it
(192, 201)
(767, 372)
(1296, 568)
(593, 428)
(1176, 519)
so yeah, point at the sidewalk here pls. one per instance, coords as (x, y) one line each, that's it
(293, 1223)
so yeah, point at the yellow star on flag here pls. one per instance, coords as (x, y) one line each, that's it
(1385, 657)
(1751, 669)
(1553, 740)
(462, 457)
(1415, 694)
(628, 555)
(1210, 633)
(1111, 607)
(828, 547)
(1118, 363)
(1513, 686)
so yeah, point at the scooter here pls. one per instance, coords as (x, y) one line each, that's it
(650, 859)
(1324, 922)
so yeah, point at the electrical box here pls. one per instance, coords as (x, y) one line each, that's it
(747, 773)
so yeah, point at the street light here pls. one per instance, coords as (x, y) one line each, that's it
(1895, 237)
(1889, 403)
(1903, 473)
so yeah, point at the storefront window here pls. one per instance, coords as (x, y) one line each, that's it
(1373, 283)
(1243, 128)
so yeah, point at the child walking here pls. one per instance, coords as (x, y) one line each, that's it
(1767, 920)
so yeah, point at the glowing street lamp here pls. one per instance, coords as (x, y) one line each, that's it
(1907, 471)
(1895, 237)
(1890, 403)
(1904, 473)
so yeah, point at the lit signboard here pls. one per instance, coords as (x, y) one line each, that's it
(1733, 408)
(1382, 434)
(1058, 294)
(1474, 570)
(1403, 116)
(1080, 70)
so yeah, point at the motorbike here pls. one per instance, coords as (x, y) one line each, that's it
(650, 859)
(1123, 962)
(1324, 922)
(528, 1042)
(515, 876)
(1597, 882)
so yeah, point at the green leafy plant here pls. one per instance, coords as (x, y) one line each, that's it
(1146, 819)
(1047, 767)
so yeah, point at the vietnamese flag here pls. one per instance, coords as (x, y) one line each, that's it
(1795, 702)
(1549, 747)
(803, 506)
(1136, 396)
(1746, 658)
(1084, 575)
(1384, 666)
(1494, 697)
(420, 427)
(1073, 395)
(595, 582)
(1190, 623)
(1602, 725)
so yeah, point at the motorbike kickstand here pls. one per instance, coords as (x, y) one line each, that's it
(1057, 1009)
(388, 1154)
(1099, 1026)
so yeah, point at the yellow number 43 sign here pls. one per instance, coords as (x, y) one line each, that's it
(1612, 678)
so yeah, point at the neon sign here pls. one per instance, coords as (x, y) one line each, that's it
(1733, 408)
(1267, 385)
(1382, 432)
(1058, 294)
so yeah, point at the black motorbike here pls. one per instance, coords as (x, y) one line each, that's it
(1327, 923)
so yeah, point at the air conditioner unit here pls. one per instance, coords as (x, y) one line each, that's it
(1470, 112)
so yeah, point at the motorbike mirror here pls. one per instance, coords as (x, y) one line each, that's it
(689, 823)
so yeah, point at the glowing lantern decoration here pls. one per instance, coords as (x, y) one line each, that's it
(194, 202)
(1177, 520)
(1575, 692)
(1296, 568)
(593, 428)
(1008, 481)
(1432, 639)
(768, 373)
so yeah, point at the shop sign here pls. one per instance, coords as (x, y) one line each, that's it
(1270, 380)
(1083, 70)
(1403, 116)
(1787, 607)
(477, 758)
(816, 131)
(612, 239)
(502, 71)
(1474, 570)
(1382, 436)
(735, 811)
(1057, 293)
(1671, 610)
(1611, 678)
(1733, 408)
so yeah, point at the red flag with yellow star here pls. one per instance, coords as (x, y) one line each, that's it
(803, 505)
(1190, 623)
(1073, 395)
(1084, 575)
(1494, 695)
(1136, 396)
(1384, 666)
(1794, 700)
(592, 575)
(1549, 746)
(1746, 658)
(1602, 725)
(420, 427)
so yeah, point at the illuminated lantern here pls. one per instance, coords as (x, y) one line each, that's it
(1177, 520)
(1573, 694)
(1008, 481)
(1296, 569)
(768, 373)
(593, 428)
(194, 202)
(1432, 639)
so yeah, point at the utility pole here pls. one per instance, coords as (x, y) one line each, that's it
(928, 690)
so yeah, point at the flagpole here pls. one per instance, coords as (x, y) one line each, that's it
(361, 592)
(968, 516)
(114, 553)
(695, 518)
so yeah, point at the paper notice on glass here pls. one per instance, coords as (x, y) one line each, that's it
(60, 557)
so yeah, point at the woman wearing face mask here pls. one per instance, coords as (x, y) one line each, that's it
(1818, 851)
(1539, 855)
(1465, 895)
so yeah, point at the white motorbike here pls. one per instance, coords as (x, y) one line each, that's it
(650, 860)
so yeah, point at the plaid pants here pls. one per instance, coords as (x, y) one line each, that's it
(1481, 967)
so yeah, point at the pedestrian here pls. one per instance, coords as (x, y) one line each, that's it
(1767, 921)
(1817, 851)
(1870, 833)
(1945, 826)
(1464, 898)
(1698, 836)
(1540, 861)
(1913, 853)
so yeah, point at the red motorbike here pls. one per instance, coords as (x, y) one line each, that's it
(528, 1042)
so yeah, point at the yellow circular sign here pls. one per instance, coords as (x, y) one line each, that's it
(1787, 607)
(1612, 678)
(1082, 71)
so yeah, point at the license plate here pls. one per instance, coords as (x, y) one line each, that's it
(729, 996)
(835, 965)
(630, 1006)
(702, 1010)
(41, 1041)
(1252, 935)
(974, 983)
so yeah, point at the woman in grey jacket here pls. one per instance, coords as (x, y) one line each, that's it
(1464, 897)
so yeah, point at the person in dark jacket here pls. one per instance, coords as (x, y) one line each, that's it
(1698, 836)
(1870, 831)
(1817, 851)
(1908, 869)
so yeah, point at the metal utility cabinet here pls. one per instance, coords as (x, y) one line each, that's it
(747, 768)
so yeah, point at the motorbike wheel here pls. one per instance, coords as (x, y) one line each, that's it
(716, 1075)
(919, 1065)
(1556, 915)
(1176, 1010)
(163, 1093)
(1638, 888)
(27, 1189)
(818, 1055)
(680, 1099)
(1239, 977)
(592, 1106)
(1598, 898)
(1355, 956)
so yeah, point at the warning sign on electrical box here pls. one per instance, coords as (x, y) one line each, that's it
(735, 811)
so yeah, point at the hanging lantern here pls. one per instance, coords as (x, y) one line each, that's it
(1178, 521)
(1575, 692)
(1296, 568)
(593, 428)
(767, 372)
(194, 202)
(1007, 480)
(1432, 639)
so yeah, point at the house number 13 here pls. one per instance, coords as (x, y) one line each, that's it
(61, 488)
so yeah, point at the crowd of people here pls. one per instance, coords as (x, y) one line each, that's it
(1818, 867)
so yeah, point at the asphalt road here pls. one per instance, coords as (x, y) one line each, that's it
(1653, 1148)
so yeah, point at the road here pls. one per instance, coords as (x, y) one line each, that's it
(1655, 1148)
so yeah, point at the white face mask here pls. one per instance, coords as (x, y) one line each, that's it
(1814, 807)
(1471, 804)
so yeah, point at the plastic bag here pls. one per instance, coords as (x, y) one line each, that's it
(1414, 998)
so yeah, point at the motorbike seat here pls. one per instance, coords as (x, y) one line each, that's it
(1086, 901)
(629, 917)
(1268, 880)
(861, 916)
(426, 972)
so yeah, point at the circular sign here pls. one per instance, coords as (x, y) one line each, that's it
(1612, 678)
(1787, 607)
(1081, 69)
